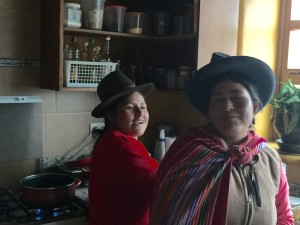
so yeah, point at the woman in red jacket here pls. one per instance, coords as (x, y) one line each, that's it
(122, 171)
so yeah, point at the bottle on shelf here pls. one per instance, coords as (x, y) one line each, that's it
(93, 50)
(184, 77)
(75, 49)
(72, 52)
(84, 51)
(139, 73)
(132, 72)
(67, 52)
(105, 56)
(118, 61)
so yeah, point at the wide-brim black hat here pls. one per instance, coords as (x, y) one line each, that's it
(257, 72)
(114, 86)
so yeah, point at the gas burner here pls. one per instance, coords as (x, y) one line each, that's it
(12, 210)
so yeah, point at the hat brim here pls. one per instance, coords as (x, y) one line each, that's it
(144, 89)
(253, 69)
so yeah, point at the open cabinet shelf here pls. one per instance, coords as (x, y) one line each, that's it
(153, 51)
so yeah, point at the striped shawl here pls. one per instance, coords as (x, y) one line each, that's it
(193, 178)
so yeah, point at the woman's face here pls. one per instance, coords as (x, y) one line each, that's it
(132, 115)
(231, 111)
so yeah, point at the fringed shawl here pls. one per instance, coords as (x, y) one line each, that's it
(193, 178)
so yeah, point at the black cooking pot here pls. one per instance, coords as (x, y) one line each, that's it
(48, 190)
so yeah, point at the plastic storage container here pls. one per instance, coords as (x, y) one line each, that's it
(114, 16)
(93, 11)
(72, 15)
(161, 23)
(86, 74)
(134, 22)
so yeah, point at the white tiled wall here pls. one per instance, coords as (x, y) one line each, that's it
(66, 115)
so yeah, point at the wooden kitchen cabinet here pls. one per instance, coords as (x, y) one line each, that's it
(154, 51)
(216, 31)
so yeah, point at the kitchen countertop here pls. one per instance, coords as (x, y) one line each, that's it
(82, 194)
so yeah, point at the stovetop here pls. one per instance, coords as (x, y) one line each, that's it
(13, 211)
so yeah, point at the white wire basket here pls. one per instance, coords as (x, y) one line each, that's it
(86, 74)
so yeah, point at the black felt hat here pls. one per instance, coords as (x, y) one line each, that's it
(257, 72)
(114, 86)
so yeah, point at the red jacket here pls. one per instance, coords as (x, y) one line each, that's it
(121, 181)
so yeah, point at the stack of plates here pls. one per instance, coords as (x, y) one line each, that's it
(285, 148)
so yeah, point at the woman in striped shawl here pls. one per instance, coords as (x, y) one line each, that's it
(223, 172)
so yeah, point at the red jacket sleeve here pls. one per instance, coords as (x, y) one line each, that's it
(284, 211)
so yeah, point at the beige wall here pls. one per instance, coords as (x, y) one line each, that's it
(66, 115)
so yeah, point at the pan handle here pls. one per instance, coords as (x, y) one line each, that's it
(85, 169)
(77, 182)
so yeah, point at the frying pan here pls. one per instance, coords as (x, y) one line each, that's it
(78, 164)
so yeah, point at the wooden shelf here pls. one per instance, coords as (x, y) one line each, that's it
(88, 33)
(77, 89)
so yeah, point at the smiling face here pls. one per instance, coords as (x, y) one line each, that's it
(132, 115)
(231, 111)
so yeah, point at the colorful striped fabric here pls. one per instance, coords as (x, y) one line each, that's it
(193, 178)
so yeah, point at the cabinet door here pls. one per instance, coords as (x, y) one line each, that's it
(218, 28)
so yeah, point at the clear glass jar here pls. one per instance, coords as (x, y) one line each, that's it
(72, 15)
